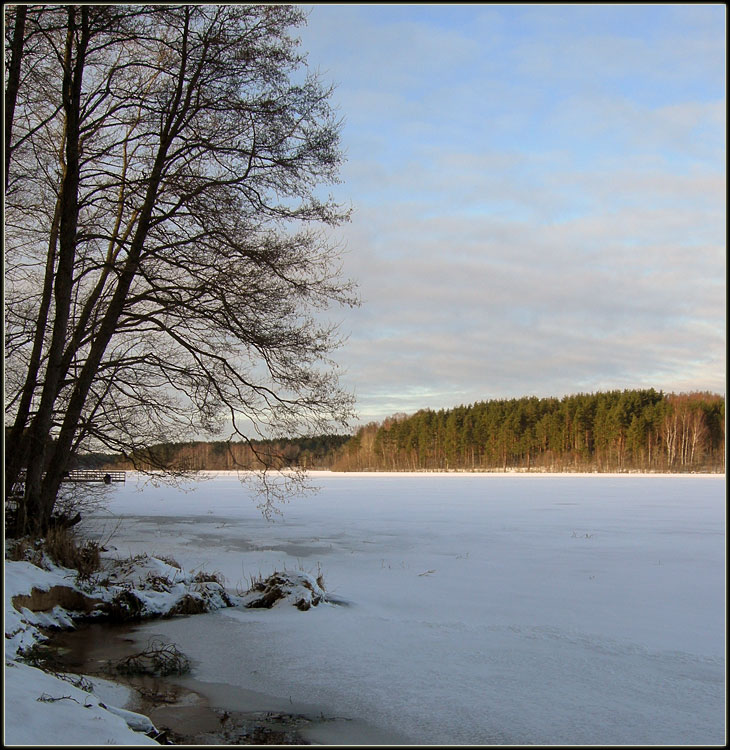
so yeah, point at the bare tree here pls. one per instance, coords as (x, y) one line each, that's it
(165, 263)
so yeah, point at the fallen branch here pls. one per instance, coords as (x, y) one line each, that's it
(45, 698)
(157, 659)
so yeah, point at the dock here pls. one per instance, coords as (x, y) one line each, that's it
(89, 475)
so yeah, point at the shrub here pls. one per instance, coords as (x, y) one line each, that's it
(63, 549)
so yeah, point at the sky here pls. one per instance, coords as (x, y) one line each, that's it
(538, 197)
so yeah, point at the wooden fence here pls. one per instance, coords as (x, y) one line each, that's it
(84, 475)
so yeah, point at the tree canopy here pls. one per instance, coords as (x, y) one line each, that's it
(631, 430)
(165, 261)
(612, 431)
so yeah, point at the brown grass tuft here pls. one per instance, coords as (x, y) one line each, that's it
(215, 577)
(188, 605)
(25, 550)
(125, 606)
(61, 546)
(171, 561)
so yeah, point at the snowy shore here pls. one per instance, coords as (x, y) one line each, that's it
(42, 708)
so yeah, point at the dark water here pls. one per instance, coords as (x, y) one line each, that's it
(176, 705)
(199, 713)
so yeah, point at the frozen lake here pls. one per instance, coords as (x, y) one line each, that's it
(508, 609)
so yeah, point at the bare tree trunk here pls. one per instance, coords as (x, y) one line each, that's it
(13, 84)
(37, 507)
(59, 458)
(17, 443)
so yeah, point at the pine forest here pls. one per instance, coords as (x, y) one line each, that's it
(614, 431)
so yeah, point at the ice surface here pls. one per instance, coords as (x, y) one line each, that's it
(481, 609)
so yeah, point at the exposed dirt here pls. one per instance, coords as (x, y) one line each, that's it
(40, 600)
(198, 727)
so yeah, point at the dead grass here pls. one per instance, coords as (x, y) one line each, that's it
(61, 547)
(125, 605)
(158, 583)
(188, 605)
(25, 550)
(215, 577)
(320, 577)
(171, 561)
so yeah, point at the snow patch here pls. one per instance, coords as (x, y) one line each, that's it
(299, 589)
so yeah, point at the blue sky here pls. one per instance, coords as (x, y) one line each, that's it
(538, 194)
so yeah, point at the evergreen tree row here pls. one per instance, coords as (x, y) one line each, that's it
(626, 430)
(629, 430)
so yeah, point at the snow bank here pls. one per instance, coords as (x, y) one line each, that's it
(40, 707)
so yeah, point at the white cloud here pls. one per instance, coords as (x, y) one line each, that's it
(542, 212)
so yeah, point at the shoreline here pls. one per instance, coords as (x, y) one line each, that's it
(444, 473)
(178, 706)
(626, 563)
(189, 712)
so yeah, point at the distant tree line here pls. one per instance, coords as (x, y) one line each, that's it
(639, 430)
(613, 431)
(315, 452)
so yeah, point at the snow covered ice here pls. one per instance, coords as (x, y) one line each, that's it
(474, 609)
(482, 608)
